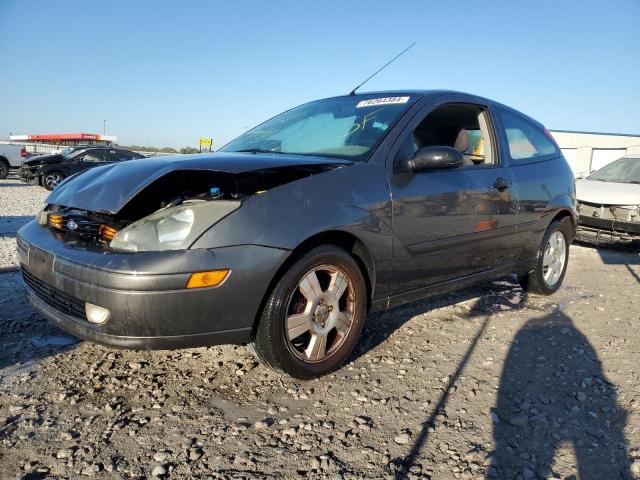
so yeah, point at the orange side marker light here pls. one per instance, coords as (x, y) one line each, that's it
(212, 278)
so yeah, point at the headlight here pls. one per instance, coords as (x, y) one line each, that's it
(41, 216)
(174, 228)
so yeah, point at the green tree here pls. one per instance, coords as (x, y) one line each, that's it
(189, 150)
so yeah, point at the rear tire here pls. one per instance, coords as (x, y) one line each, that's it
(313, 317)
(4, 169)
(51, 180)
(553, 258)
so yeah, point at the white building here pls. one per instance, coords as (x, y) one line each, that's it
(587, 151)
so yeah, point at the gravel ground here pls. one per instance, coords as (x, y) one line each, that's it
(482, 383)
(19, 203)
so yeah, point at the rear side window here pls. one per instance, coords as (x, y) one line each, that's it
(526, 140)
(93, 156)
(121, 155)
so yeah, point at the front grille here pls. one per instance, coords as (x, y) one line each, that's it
(53, 297)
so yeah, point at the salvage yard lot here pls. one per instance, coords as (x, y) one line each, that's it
(486, 382)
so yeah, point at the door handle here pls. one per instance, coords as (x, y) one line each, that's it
(501, 184)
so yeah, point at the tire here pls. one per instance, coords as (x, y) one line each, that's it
(51, 180)
(325, 316)
(545, 279)
(4, 169)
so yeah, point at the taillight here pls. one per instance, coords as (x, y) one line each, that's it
(24, 153)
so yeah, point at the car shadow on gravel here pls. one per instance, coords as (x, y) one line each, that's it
(490, 297)
(626, 257)
(13, 184)
(553, 399)
(10, 224)
(619, 253)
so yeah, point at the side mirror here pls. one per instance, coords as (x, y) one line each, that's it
(431, 158)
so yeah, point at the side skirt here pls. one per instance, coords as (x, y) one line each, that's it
(420, 293)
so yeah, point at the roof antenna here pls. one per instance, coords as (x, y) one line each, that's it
(353, 92)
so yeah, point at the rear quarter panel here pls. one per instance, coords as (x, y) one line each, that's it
(545, 189)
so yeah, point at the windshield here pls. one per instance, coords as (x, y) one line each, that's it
(625, 170)
(342, 127)
(68, 151)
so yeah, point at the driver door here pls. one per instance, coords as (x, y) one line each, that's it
(458, 222)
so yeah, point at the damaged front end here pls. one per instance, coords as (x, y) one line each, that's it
(169, 212)
(619, 221)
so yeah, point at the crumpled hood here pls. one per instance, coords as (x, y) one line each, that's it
(108, 188)
(607, 193)
(43, 159)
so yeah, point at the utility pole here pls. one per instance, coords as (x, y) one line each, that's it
(104, 127)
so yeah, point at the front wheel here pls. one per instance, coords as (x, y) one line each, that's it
(313, 317)
(51, 180)
(553, 257)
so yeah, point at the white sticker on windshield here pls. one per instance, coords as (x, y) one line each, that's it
(372, 102)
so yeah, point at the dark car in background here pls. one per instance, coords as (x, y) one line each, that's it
(286, 237)
(49, 170)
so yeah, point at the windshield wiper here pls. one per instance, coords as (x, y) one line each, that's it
(257, 150)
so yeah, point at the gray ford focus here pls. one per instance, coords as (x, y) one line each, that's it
(286, 237)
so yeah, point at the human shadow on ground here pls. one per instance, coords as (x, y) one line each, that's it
(553, 393)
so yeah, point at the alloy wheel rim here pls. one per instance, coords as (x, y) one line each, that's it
(320, 314)
(554, 258)
(52, 180)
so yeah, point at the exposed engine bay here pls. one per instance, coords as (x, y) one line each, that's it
(176, 188)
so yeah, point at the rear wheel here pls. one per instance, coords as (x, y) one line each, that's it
(51, 180)
(4, 168)
(553, 257)
(314, 315)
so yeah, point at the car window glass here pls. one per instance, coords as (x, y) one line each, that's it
(120, 155)
(525, 139)
(337, 127)
(95, 156)
(625, 170)
(460, 126)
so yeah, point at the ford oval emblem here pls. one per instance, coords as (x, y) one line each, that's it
(71, 225)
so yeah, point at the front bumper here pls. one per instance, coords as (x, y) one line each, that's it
(608, 225)
(144, 291)
(29, 176)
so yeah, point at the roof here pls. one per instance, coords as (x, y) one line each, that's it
(598, 133)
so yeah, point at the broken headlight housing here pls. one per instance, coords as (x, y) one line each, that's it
(174, 228)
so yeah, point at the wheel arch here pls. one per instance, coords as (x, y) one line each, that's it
(565, 213)
(340, 238)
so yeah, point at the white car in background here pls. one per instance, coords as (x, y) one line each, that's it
(11, 157)
(609, 199)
